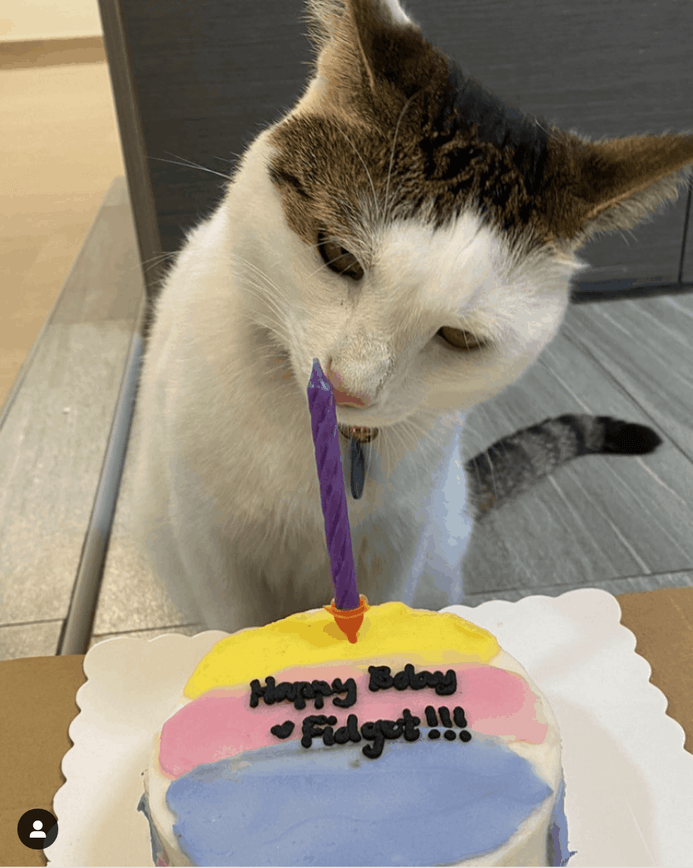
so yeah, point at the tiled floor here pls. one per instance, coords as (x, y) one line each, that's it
(619, 523)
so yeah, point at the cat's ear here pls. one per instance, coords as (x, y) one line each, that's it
(358, 41)
(595, 187)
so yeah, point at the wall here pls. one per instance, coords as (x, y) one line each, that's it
(49, 19)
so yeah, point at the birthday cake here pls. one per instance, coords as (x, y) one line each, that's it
(424, 743)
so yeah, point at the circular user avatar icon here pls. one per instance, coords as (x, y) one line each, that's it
(37, 829)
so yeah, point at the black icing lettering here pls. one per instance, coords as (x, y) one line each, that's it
(256, 692)
(391, 728)
(440, 682)
(298, 692)
(408, 679)
(433, 678)
(350, 732)
(410, 723)
(416, 681)
(446, 720)
(401, 680)
(445, 716)
(284, 730)
(349, 687)
(460, 719)
(269, 690)
(380, 678)
(449, 684)
(320, 689)
(310, 727)
(372, 732)
(445, 685)
(288, 690)
(304, 690)
(375, 732)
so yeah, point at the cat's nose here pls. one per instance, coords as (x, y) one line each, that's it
(343, 397)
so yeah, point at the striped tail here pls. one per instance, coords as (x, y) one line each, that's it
(515, 463)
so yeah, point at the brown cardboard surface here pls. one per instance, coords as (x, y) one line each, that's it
(39, 704)
(662, 622)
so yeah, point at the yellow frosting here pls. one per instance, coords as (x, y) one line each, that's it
(310, 638)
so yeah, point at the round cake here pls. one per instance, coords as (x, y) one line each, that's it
(423, 743)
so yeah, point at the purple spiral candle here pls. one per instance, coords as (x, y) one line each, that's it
(323, 418)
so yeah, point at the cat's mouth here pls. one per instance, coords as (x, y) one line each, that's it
(358, 432)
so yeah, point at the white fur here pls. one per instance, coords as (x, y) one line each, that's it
(229, 504)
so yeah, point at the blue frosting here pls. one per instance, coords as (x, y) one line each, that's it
(420, 803)
(558, 851)
(157, 848)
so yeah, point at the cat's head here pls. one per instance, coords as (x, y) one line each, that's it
(421, 234)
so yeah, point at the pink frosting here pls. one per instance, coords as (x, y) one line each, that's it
(221, 723)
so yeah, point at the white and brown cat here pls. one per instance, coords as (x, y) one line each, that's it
(418, 238)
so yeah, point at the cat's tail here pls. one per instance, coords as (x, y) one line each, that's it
(514, 463)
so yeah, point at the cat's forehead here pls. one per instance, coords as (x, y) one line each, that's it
(431, 147)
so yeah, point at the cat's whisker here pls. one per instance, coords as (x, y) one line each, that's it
(407, 434)
(188, 164)
(274, 298)
(151, 262)
(273, 320)
(386, 447)
(268, 299)
(246, 263)
(281, 338)
(404, 433)
(256, 291)
(257, 285)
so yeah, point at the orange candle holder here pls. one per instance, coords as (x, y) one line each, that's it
(349, 620)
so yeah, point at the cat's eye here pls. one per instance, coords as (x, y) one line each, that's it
(461, 339)
(338, 259)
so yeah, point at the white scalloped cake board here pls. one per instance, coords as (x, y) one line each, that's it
(629, 781)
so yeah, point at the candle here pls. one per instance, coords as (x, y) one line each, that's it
(323, 419)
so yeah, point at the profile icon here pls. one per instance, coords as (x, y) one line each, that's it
(37, 829)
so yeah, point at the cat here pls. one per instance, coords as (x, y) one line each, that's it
(418, 237)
